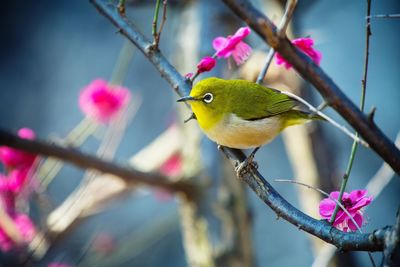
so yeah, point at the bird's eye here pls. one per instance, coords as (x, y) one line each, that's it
(208, 98)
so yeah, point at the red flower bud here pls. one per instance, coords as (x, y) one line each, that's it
(206, 64)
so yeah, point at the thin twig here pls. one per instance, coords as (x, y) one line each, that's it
(311, 72)
(362, 104)
(384, 16)
(287, 16)
(154, 28)
(164, 19)
(121, 7)
(268, 61)
(334, 123)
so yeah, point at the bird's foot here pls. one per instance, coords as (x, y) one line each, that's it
(246, 166)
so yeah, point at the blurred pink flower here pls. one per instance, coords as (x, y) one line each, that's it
(26, 228)
(14, 158)
(102, 101)
(15, 181)
(172, 166)
(7, 200)
(206, 64)
(233, 46)
(304, 44)
(353, 203)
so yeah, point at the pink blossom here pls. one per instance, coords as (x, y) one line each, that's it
(25, 227)
(7, 200)
(15, 181)
(102, 101)
(14, 158)
(233, 46)
(304, 44)
(206, 64)
(353, 203)
(172, 166)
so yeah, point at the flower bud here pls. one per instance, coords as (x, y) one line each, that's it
(206, 64)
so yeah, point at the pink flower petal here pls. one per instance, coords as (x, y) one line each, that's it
(353, 202)
(334, 195)
(341, 216)
(14, 158)
(6, 243)
(219, 43)
(26, 133)
(7, 201)
(241, 53)
(356, 195)
(304, 44)
(17, 179)
(101, 101)
(24, 226)
(359, 220)
(233, 45)
(326, 207)
(172, 166)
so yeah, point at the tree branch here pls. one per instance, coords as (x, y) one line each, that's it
(346, 241)
(392, 245)
(332, 94)
(87, 161)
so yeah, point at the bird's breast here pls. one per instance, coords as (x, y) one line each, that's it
(232, 131)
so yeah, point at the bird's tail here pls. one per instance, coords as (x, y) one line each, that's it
(294, 117)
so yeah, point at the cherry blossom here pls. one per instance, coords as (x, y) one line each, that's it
(304, 44)
(233, 46)
(353, 202)
(102, 101)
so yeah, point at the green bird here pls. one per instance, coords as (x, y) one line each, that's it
(242, 114)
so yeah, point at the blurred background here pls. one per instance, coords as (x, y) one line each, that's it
(50, 50)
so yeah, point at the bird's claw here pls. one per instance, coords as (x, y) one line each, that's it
(246, 166)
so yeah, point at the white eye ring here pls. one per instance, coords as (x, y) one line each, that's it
(208, 98)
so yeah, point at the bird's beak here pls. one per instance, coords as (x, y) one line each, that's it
(186, 98)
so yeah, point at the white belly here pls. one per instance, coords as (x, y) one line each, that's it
(235, 132)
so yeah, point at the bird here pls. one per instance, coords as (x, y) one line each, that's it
(242, 114)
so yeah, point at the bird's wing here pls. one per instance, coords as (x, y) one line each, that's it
(262, 103)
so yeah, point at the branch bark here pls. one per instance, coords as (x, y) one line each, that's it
(87, 161)
(346, 241)
(392, 245)
(311, 72)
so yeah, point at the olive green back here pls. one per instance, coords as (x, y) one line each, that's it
(248, 100)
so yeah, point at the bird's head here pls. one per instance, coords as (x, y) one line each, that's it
(208, 100)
